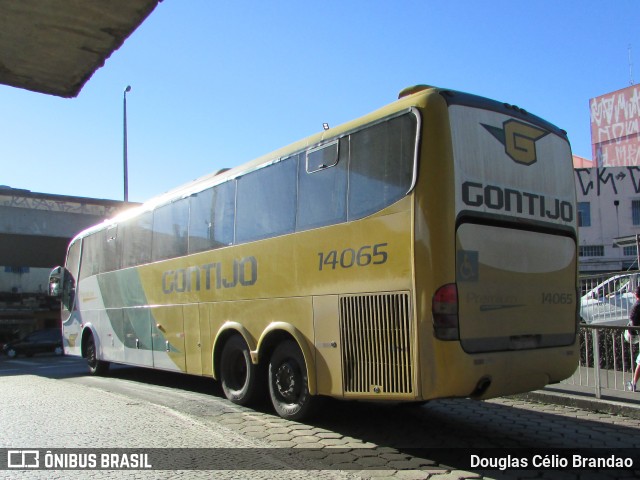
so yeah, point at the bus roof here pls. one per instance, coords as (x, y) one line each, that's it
(414, 96)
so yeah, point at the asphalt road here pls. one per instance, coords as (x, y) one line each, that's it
(49, 402)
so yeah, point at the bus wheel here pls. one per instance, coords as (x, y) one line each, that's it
(288, 383)
(96, 367)
(239, 376)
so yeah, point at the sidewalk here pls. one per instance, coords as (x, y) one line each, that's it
(613, 402)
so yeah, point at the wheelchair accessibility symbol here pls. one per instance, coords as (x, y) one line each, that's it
(467, 266)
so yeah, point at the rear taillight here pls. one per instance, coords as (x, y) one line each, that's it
(445, 312)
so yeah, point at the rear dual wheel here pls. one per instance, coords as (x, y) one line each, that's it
(289, 384)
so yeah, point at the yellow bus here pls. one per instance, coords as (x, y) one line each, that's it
(425, 250)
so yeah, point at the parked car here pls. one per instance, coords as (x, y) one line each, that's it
(40, 341)
(609, 302)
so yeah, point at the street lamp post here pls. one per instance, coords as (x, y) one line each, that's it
(124, 152)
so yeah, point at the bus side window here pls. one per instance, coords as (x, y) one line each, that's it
(266, 203)
(137, 238)
(91, 254)
(112, 246)
(322, 186)
(170, 223)
(381, 165)
(211, 218)
(324, 156)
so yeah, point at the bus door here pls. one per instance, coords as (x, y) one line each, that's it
(167, 332)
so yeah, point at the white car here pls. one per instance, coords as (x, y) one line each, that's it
(609, 302)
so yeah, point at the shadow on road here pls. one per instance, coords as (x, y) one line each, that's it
(442, 433)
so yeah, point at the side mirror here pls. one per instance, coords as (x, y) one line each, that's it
(56, 278)
(62, 286)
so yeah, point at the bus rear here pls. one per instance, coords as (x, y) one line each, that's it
(510, 307)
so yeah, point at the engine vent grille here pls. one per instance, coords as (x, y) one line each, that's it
(376, 343)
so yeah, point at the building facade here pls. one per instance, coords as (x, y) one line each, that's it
(608, 210)
(35, 229)
(615, 128)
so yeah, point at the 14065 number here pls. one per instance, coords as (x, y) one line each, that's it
(557, 298)
(349, 257)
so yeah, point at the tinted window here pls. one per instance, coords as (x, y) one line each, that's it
(170, 230)
(73, 258)
(322, 187)
(137, 240)
(212, 217)
(91, 255)
(112, 247)
(322, 157)
(381, 165)
(266, 204)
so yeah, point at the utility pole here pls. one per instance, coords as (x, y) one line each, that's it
(124, 152)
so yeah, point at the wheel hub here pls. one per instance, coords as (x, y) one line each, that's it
(286, 382)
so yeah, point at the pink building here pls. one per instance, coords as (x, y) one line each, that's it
(581, 162)
(615, 128)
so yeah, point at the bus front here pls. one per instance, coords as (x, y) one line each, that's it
(504, 267)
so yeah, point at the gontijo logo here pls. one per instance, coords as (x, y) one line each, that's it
(519, 140)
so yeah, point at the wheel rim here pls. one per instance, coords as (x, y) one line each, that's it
(288, 382)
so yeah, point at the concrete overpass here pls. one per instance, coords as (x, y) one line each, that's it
(55, 46)
(51, 47)
(35, 228)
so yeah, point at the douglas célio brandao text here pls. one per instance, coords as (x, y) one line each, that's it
(551, 461)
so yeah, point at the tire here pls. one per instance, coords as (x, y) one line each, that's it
(242, 381)
(96, 367)
(288, 383)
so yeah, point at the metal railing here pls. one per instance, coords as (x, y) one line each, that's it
(607, 298)
(607, 361)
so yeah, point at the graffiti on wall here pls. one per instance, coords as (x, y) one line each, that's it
(615, 128)
(616, 180)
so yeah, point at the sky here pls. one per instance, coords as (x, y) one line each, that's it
(215, 84)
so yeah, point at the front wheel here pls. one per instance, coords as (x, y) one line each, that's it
(96, 367)
(240, 378)
(288, 383)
